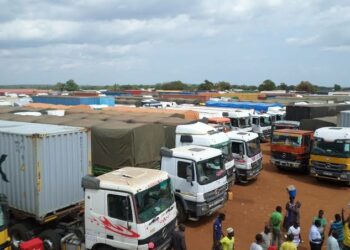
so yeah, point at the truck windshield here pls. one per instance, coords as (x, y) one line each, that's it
(210, 170)
(336, 149)
(265, 121)
(226, 150)
(243, 122)
(288, 140)
(253, 147)
(153, 201)
(2, 217)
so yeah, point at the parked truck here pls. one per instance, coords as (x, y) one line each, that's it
(43, 169)
(330, 155)
(290, 149)
(261, 124)
(204, 135)
(247, 154)
(222, 124)
(199, 179)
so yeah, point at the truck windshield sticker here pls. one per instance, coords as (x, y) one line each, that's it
(118, 229)
(3, 175)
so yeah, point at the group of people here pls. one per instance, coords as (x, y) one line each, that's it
(284, 232)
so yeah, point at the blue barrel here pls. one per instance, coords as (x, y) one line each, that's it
(292, 191)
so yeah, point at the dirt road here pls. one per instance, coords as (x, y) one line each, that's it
(253, 203)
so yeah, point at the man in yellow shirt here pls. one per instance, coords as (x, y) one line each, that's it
(228, 241)
(289, 244)
(346, 224)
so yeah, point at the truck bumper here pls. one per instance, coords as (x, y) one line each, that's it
(286, 164)
(343, 176)
(210, 207)
(244, 175)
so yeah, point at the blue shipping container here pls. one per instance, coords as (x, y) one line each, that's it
(71, 101)
(258, 106)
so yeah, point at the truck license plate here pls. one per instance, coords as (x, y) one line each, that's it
(328, 173)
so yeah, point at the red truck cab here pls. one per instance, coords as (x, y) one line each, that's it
(290, 149)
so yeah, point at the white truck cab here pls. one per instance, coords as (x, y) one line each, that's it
(277, 113)
(247, 154)
(199, 178)
(204, 135)
(261, 124)
(240, 119)
(128, 209)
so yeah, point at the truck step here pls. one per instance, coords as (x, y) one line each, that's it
(193, 218)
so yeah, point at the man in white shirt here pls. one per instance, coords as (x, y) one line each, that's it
(257, 244)
(315, 237)
(332, 242)
(266, 235)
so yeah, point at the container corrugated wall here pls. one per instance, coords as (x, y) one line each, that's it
(344, 119)
(44, 171)
(75, 100)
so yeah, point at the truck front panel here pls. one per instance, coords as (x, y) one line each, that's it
(330, 167)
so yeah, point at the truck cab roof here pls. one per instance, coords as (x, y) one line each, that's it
(237, 114)
(128, 179)
(333, 133)
(243, 136)
(218, 119)
(197, 128)
(191, 152)
(293, 131)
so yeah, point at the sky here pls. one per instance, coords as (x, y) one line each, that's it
(104, 42)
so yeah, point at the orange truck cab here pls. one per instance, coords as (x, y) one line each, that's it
(222, 124)
(291, 148)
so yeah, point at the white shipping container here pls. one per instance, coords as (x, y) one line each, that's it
(43, 166)
(343, 119)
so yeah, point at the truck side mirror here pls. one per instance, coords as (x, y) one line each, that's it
(189, 175)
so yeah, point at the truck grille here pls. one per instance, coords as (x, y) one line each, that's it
(284, 156)
(256, 164)
(328, 166)
(212, 195)
(267, 133)
(160, 237)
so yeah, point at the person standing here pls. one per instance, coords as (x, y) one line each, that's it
(266, 238)
(295, 232)
(178, 238)
(289, 244)
(346, 229)
(217, 231)
(276, 221)
(323, 221)
(315, 236)
(293, 213)
(227, 243)
(332, 242)
(257, 244)
(338, 227)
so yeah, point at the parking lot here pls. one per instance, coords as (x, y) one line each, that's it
(253, 203)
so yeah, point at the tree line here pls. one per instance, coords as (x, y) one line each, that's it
(206, 85)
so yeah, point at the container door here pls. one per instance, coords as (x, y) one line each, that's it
(120, 222)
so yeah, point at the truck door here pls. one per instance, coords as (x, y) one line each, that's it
(120, 222)
(187, 189)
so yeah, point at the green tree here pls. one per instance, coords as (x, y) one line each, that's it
(223, 86)
(267, 85)
(282, 86)
(71, 86)
(306, 86)
(207, 85)
(174, 85)
(60, 86)
(337, 87)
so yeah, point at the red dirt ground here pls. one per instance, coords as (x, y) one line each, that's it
(253, 203)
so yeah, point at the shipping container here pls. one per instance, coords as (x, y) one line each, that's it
(310, 111)
(43, 166)
(344, 119)
(75, 100)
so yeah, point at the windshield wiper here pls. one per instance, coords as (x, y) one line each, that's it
(154, 220)
(169, 209)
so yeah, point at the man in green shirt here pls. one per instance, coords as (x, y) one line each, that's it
(323, 223)
(276, 222)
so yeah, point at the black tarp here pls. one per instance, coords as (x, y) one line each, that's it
(310, 111)
(316, 123)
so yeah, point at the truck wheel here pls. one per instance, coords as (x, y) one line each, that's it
(51, 239)
(181, 214)
(19, 232)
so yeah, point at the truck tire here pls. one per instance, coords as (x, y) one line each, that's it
(181, 213)
(19, 232)
(51, 239)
